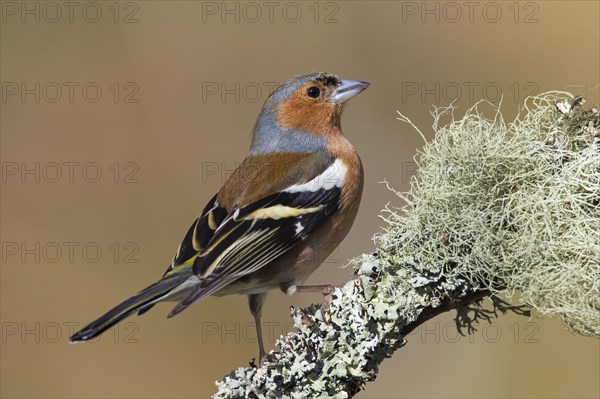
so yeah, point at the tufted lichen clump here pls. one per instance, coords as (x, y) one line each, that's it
(511, 207)
(493, 207)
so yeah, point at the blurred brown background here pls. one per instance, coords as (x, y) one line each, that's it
(120, 120)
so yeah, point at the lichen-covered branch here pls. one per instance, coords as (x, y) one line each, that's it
(494, 207)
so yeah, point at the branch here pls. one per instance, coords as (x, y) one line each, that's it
(338, 348)
(495, 208)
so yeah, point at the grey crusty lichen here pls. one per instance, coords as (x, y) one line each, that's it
(494, 207)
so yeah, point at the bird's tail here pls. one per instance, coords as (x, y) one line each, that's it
(140, 303)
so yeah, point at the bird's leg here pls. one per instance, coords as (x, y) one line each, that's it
(255, 301)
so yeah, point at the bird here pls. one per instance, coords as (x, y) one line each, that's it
(284, 209)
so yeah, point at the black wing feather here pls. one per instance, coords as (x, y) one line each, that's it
(199, 233)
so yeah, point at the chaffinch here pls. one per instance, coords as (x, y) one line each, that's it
(279, 215)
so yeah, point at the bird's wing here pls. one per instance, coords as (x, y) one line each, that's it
(198, 236)
(254, 234)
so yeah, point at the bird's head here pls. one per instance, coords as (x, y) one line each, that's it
(301, 113)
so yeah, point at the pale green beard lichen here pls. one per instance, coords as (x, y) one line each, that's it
(510, 206)
(493, 207)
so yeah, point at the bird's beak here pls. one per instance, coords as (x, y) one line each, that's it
(347, 89)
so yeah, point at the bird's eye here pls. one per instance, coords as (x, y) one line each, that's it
(313, 92)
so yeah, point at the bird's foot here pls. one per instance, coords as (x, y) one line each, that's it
(328, 295)
(326, 289)
(262, 358)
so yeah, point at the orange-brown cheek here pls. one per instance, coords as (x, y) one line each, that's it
(306, 115)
